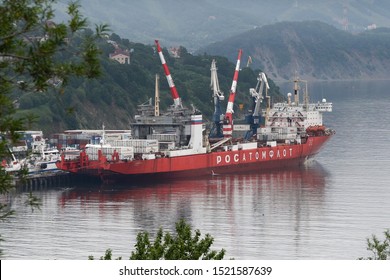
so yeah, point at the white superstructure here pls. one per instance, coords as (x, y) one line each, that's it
(292, 120)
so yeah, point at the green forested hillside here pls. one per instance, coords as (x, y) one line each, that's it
(112, 99)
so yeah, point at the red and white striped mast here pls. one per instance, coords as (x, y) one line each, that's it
(228, 121)
(172, 87)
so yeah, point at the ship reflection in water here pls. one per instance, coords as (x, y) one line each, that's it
(252, 216)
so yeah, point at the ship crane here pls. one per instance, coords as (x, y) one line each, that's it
(228, 120)
(172, 87)
(257, 96)
(216, 130)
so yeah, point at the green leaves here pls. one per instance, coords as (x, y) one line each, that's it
(37, 49)
(181, 246)
(76, 22)
(33, 201)
(380, 249)
(102, 30)
(36, 54)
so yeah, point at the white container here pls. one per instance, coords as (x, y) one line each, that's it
(148, 156)
(271, 143)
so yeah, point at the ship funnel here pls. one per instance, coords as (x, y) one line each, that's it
(196, 141)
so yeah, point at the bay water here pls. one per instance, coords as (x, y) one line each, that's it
(323, 210)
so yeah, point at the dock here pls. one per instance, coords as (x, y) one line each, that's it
(49, 179)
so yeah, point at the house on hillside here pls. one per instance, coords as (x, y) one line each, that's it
(122, 56)
(174, 52)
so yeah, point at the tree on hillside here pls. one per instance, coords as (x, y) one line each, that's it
(36, 54)
(182, 246)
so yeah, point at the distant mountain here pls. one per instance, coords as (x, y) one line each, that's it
(194, 24)
(313, 50)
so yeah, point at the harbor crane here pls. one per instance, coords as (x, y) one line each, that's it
(216, 129)
(257, 96)
(172, 87)
(228, 120)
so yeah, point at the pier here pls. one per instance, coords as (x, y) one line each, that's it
(39, 181)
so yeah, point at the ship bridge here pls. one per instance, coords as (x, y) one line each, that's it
(324, 106)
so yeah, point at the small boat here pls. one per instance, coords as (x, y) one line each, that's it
(33, 156)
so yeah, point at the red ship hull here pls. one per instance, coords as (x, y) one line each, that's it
(222, 162)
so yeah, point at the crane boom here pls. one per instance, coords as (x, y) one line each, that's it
(214, 84)
(228, 122)
(172, 87)
(216, 130)
(257, 96)
(257, 92)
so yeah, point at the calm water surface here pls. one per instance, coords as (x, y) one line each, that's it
(324, 210)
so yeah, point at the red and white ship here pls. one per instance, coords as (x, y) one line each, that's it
(175, 144)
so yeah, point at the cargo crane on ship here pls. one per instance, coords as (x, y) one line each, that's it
(171, 144)
(172, 87)
(171, 127)
(216, 129)
(228, 119)
(257, 96)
